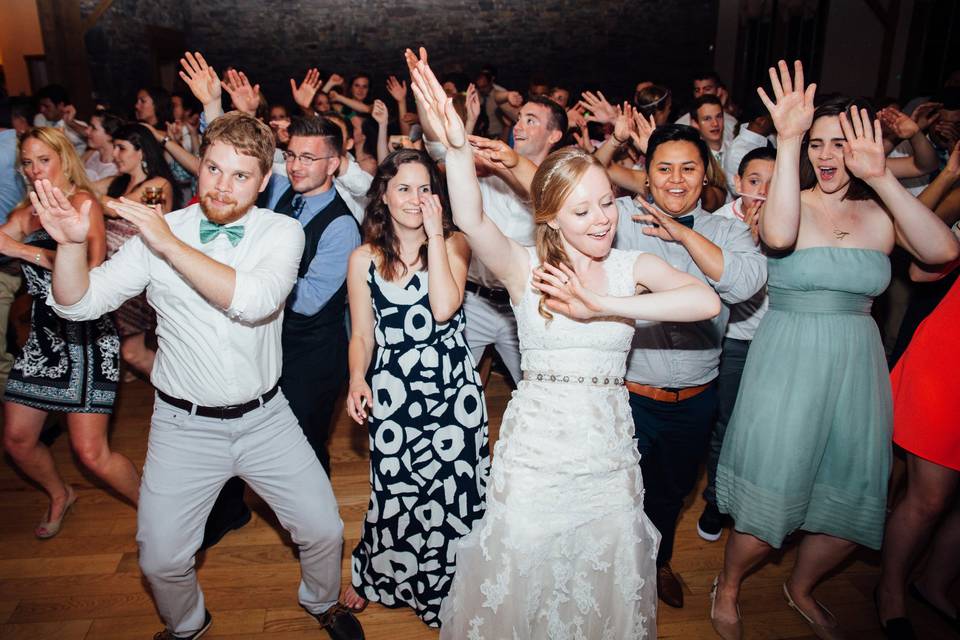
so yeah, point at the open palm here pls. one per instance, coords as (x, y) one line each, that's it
(437, 106)
(792, 113)
(200, 77)
(58, 216)
(863, 154)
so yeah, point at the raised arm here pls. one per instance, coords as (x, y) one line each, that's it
(924, 159)
(306, 91)
(937, 190)
(506, 259)
(204, 83)
(673, 296)
(356, 105)
(381, 116)
(505, 162)
(398, 91)
(792, 115)
(918, 229)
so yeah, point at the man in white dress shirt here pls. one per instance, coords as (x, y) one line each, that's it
(218, 274)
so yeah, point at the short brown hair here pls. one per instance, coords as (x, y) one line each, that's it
(247, 135)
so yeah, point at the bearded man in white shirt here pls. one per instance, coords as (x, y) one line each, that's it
(218, 274)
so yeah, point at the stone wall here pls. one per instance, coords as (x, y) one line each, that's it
(606, 44)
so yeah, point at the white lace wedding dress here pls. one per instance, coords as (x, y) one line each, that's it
(564, 550)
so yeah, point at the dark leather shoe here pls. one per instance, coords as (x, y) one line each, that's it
(340, 623)
(669, 588)
(210, 538)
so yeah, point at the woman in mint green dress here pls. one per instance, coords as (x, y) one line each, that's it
(808, 444)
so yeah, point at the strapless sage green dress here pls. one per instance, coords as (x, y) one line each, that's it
(809, 443)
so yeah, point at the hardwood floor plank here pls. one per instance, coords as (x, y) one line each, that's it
(86, 583)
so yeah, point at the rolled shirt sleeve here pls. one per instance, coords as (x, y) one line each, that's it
(112, 283)
(744, 267)
(261, 291)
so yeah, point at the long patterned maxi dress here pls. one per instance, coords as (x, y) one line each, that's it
(429, 457)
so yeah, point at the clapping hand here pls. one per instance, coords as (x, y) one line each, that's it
(659, 224)
(863, 153)
(792, 113)
(148, 220)
(57, 214)
(600, 110)
(441, 118)
(304, 93)
(200, 77)
(566, 294)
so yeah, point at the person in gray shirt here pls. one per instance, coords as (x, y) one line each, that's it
(672, 368)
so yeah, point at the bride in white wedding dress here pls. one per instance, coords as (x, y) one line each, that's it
(564, 550)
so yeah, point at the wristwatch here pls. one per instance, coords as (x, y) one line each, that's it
(164, 140)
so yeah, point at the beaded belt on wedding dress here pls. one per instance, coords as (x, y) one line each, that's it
(550, 376)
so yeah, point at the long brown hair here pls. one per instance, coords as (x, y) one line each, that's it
(552, 183)
(377, 225)
(70, 163)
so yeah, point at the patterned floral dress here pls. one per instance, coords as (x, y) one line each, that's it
(65, 366)
(429, 457)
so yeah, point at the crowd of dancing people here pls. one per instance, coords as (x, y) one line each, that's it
(663, 293)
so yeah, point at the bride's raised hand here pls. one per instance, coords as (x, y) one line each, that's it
(566, 294)
(792, 107)
(442, 119)
(863, 154)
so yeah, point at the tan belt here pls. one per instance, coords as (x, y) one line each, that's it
(665, 395)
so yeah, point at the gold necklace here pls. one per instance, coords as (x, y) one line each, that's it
(838, 233)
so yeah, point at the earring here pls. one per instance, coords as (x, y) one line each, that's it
(705, 182)
(143, 165)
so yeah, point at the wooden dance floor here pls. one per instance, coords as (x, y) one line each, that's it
(85, 583)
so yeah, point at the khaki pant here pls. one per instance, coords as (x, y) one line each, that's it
(9, 285)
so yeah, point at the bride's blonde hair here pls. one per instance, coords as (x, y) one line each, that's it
(552, 183)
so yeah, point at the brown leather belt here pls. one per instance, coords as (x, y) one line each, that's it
(665, 395)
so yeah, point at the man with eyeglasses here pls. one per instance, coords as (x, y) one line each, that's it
(314, 334)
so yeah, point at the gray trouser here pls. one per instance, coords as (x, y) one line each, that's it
(189, 458)
(489, 323)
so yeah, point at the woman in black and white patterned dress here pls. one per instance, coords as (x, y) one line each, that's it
(70, 367)
(424, 404)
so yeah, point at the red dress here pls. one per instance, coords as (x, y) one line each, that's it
(926, 387)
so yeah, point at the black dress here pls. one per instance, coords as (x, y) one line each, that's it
(65, 366)
(429, 456)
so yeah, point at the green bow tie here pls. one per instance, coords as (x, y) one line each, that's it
(210, 230)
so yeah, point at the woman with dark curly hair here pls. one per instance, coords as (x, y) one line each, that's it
(424, 402)
(143, 176)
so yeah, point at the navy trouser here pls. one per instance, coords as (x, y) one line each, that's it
(672, 439)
